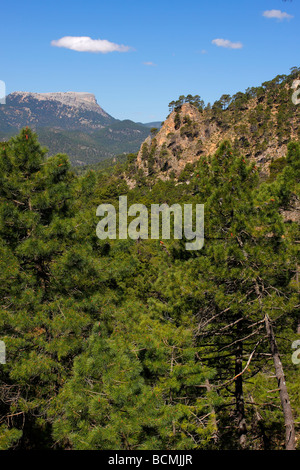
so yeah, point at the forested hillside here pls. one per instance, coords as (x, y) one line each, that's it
(259, 122)
(141, 344)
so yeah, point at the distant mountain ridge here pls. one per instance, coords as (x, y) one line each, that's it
(71, 122)
(68, 111)
(70, 98)
(156, 124)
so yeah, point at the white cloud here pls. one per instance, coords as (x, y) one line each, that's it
(86, 44)
(150, 64)
(228, 44)
(280, 15)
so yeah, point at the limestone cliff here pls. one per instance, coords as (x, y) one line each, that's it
(259, 124)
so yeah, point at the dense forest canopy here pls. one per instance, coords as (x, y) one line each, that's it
(141, 344)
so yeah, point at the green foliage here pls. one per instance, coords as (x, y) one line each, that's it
(189, 129)
(177, 121)
(276, 167)
(195, 101)
(126, 388)
(134, 345)
(8, 437)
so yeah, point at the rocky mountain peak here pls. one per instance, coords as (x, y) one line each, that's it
(183, 138)
(259, 124)
(68, 111)
(86, 101)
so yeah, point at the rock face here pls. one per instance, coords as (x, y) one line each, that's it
(68, 111)
(259, 124)
(183, 138)
(188, 134)
(81, 100)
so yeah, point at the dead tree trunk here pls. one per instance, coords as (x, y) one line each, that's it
(284, 396)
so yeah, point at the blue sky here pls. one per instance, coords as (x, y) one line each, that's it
(168, 49)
